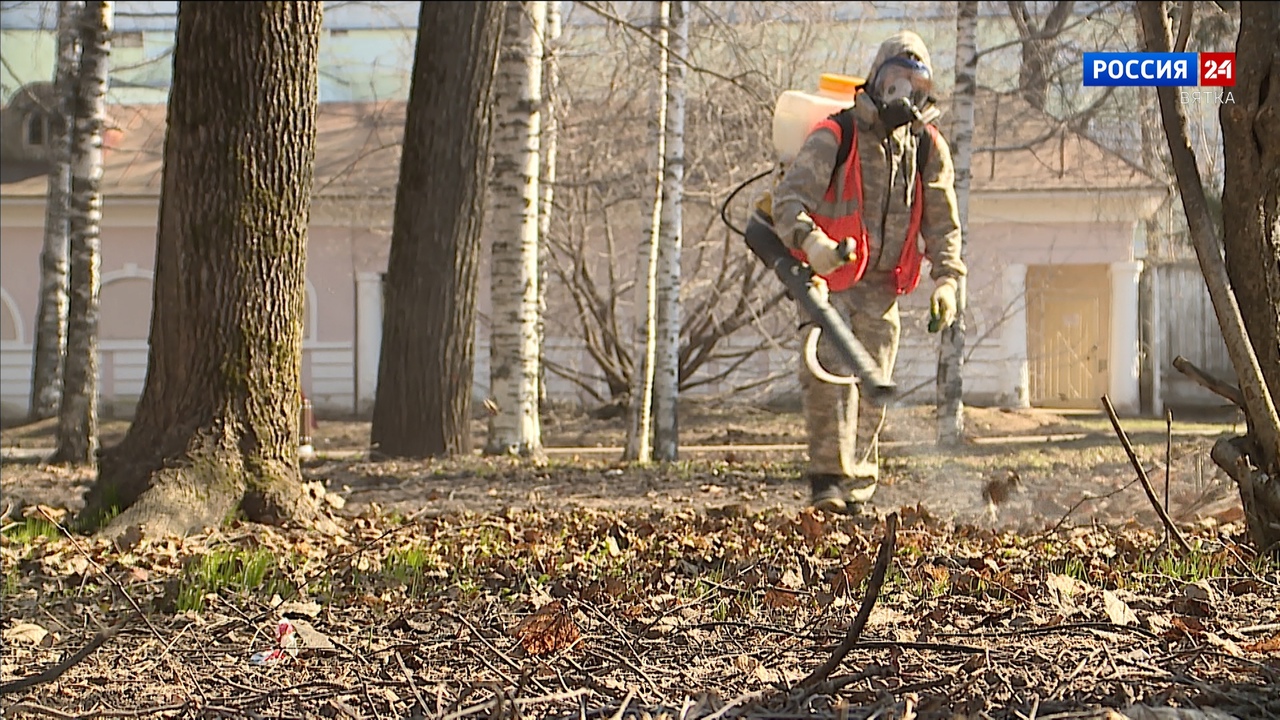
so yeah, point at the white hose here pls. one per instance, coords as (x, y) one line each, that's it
(815, 367)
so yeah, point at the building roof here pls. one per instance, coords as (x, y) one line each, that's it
(358, 152)
(1018, 148)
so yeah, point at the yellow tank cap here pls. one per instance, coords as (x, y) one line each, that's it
(840, 84)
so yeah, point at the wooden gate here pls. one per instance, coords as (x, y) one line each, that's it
(1068, 334)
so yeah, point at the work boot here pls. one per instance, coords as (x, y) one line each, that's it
(826, 493)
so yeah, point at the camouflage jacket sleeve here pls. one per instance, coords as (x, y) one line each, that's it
(940, 226)
(803, 186)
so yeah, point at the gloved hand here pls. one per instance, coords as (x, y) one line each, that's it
(823, 253)
(942, 304)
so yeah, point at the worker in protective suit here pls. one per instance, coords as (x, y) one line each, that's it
(882, 193)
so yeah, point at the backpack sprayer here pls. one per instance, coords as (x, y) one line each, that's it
(794, 116)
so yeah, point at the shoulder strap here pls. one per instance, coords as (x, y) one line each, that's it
(844, 119)
(924, 146)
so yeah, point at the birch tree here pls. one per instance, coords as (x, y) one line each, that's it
(513, 266)
(951, 347)
(78, 409)
(423, 402)
(51, 315)
(639, 442)
(546, 184)
(666, 382)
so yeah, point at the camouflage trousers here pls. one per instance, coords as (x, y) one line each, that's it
(843, 429)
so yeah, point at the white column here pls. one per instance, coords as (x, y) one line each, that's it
(1156, 345)
(1124, 365)
(1016, 386)
(368, 337)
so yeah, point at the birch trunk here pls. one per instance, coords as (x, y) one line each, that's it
(666, 381)
(640, 419)
(51, 316)
(423, 402)
(546, 184)
(952, 340)
(216, 431)
(78, 411)
(513, 268)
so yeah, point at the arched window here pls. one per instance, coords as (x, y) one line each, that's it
(125, 304)
(37, 128)
(10, 319)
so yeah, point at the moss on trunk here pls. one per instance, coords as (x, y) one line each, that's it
(216, 427)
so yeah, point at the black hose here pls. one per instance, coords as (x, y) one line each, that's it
(724, 209)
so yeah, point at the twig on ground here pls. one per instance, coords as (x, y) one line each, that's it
(123, 592)
(413, 686)
(1142, 476)
(622, 709)
(736, 702)
(56, 671)
(40, 710)
(1071, 510)
(883, 560)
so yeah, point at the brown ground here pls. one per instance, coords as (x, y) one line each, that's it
(749, 457)
(697, 590)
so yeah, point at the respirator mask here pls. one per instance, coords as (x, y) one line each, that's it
(900, 89)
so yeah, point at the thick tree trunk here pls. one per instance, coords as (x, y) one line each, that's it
(1251, 240)
(216, 429)
(51, 316)
(1246, 312)
(666, 381)
(513, 261)
(952, 340)
(640, 416)
(1039, 44)
(551, 102)
(78, 409)
(423, 402)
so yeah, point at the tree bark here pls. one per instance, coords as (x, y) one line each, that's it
(666, 382)
(1251, 189)
(423, 402)
(1039, 43)
(216, 429)
(1252, 182)
(51, 315)
(639, 441)
(952, 339)
(78, 409)
(549, 149)
(1251, 248)
(513, 266)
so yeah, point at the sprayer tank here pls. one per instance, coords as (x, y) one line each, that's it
(797, 112)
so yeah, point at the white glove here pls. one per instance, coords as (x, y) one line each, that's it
(942, 303)
(822, 252)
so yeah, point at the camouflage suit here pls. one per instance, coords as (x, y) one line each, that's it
(843, 437)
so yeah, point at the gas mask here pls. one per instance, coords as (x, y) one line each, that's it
(900, 90)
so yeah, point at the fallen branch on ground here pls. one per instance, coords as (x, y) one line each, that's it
(883, 560)
(57, 671)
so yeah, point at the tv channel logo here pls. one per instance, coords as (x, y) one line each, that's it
(1144, 69)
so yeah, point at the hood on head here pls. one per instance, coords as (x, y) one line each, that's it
(901, 43)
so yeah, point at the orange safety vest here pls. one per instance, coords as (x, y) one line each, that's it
(906, 275)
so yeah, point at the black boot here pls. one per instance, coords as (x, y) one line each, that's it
(826, 493)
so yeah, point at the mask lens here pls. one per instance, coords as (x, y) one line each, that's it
(903, 78)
